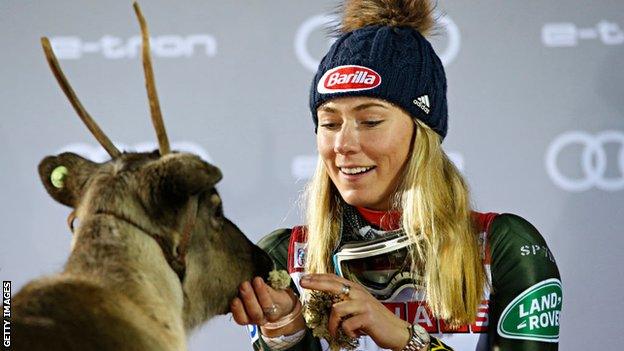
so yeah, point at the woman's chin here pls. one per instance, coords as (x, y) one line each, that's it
(358, 200)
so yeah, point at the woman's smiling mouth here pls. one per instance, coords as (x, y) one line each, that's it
(356, 170)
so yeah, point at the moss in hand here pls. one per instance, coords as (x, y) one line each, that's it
(316, 313)
(279, 280)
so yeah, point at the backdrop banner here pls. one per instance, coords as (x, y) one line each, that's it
(536, 122)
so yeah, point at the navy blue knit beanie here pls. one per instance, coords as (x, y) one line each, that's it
(386, 58)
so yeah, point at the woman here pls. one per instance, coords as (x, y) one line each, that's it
(389, 224)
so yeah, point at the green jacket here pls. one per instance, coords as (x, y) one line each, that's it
(521, 313)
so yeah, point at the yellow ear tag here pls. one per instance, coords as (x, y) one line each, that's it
(58, 176)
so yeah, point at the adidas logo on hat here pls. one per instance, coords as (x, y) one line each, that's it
(423, 103)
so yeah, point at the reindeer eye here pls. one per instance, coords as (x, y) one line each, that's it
(57, 177)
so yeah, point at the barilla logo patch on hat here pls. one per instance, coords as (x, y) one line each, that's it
(348, 78)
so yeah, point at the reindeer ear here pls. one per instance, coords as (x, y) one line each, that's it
(175, 177)
(65, 175)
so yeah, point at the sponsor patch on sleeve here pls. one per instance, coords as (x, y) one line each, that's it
(534, 313)
(297, 250)
(299, 255)
(437, 345)
(253, 332)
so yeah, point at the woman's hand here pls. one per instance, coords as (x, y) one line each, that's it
(360, 313)
(257, 303)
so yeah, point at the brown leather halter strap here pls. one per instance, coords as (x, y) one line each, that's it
(177, 260)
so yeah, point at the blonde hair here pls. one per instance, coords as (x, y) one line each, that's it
(436, 215)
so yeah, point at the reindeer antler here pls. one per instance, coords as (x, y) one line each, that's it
(73, 99)
(157, 121)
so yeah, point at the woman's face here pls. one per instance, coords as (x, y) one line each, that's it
(364, 143)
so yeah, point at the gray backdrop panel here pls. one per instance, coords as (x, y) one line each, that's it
(535, 104)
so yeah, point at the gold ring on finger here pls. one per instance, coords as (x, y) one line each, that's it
(271, 310)
(345, 290)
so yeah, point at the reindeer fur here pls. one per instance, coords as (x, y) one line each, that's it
(117, 291)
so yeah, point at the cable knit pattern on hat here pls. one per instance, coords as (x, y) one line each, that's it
(412, 74)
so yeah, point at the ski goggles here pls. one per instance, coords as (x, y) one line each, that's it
(382, 266)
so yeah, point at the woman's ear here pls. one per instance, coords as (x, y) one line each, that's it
(172, 179)
(64, 176)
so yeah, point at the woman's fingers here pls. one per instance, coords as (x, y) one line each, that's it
(354, 305)
(360, 313)
(251, 304)
(339, 311)
(258, 303)
(356, 325)
(327, 282)
(238, 312)
(271, 311)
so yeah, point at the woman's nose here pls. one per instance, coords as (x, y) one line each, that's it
(347, 140)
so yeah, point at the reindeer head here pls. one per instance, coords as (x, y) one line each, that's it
(166, 195)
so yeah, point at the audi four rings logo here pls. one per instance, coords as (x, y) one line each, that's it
(593, 160)
(319, 23)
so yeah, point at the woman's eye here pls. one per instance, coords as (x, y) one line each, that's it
(372, 123)
(329, 125)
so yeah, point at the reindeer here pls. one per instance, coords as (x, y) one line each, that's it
(152, 257)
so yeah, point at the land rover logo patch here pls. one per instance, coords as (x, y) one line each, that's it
(534, 314)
